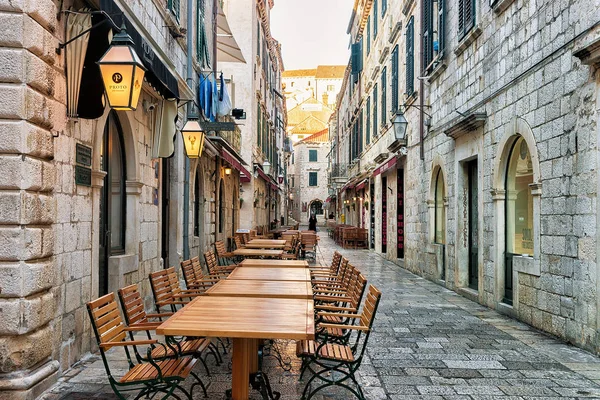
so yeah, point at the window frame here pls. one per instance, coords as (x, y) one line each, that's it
(429, 55)
(174, 6)
(375, 121)
(410, 58)
(312, 152)
(312, 174)
(439, 178)
(466, 23)
(384, 95)
(395, 67)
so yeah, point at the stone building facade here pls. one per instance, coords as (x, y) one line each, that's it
(495, 184)
(308, 183)
(257, 90)
(92, 199)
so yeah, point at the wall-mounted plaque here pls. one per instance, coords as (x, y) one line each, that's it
(83, 176)
(83, 155)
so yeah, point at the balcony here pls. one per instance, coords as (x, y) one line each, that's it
(339, 171)
(233, 138)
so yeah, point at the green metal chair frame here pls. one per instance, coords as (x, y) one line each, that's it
(147, 378)
(336, 364)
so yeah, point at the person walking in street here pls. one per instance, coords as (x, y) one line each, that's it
(312, 223)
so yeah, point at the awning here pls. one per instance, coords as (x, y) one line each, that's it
(267, 178)
(361, 185)
(75, 57)
(390, 163)
(227, 48)
(244, 174)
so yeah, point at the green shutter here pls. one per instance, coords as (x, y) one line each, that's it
(466, 17)
(202, 53)
(395, 79)
(383, 94)
(368, 120)
(369, 35)
(356, 59)
(312, 155)
(441, 25)
(410, 59)
(383, 7)
(375, 19)
(427, 33)
(175, 8)
(375, 124)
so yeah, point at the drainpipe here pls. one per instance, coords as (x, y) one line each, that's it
(186, 177)
(422, 97)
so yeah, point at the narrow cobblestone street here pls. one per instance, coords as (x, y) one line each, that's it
(428, 343)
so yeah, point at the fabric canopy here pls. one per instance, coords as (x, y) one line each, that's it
(244, 174)
(390, 163)
(165, 129)
(361, 185)
(227, 48)
(75, 55)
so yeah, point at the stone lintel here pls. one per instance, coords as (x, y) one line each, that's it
(589, 53)
(466, 124)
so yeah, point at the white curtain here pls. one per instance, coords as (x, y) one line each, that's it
(165, 129)
(75, 56)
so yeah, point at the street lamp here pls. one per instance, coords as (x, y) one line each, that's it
(267, 167)
(122, 73)
(280, 178)
(193, 138)
(227, 171)
(400, 125)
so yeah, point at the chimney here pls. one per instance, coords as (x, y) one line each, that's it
(325, 99)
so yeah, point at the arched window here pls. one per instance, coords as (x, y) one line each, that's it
(519, 200)
(113, 163)
(440, 211)
(221, 207)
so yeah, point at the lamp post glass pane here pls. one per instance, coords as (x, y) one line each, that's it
(194, 142)
(400, 124)
(122, 75)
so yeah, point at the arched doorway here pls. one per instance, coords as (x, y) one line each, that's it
(316, 208)
(112, 198)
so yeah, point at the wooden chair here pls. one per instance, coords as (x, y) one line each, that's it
(294, 254)
(136, 317)
(224, 257)
(213, 266)
(309, 245)
(192, 281)
(334, 363)
(166, 290)
(348, 237)
(146, 378)
(361, 241)
(328, 270)
(330, 278)
(238, 242)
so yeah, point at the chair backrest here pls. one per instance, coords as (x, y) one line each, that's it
(370, 307)
(189, 275)
(220, 248)
(211, 261)
(133, 305)
(238, 242)
(106, 321)
(161, 287)
(335, 262)
(357, 290)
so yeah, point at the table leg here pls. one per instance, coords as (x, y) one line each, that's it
(244, 363)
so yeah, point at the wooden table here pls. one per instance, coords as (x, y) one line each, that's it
(245, 320)
(271, 274)
(262, 289)
(265, 244)
(249, 262)
(257, 253)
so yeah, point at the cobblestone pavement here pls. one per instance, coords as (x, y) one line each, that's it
(428, 343)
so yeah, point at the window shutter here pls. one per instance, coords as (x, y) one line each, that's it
(360, 133)
(383, 94)
(368, 120)
(469, 15)
(174, 7)
(383, 7)
(410, 62)
(427, 33)
(441, 25)
(356, 59)
(202, 53)
(375, 125)
(375, 18)
(369, 35)
(395, 79)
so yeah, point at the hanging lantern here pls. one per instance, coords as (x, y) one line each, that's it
(122, 73)
(193, 138)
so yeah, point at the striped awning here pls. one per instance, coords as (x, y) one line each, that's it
(389, 164)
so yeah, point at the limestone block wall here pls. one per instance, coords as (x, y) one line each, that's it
(521, 71)
(305, 193)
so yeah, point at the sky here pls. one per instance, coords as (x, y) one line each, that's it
(312, 32)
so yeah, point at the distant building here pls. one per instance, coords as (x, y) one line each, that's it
(323, 83)
(308, 182)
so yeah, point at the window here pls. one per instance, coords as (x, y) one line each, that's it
(440, 211)
(383, 8)
(375, 125)
(312, 155)
(519, 200)
(312, 179)
(202, 54)
(369, 35)
(258, 125)
(433, 32)
(293, 181)
(330, 88)
(368, 128)
(113, 162)
(466, 17)
(292, 84)
(174, 7)
(375, 18)
(410, 57)
(395, 79)
(383, 94)
(293, 155)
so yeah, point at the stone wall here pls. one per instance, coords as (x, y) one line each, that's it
(303, 193)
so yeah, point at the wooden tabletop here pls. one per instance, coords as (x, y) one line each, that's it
(274, 263)
(242, 317)
(257, 253)
(266, 241)
(271, 274)
(251, 245)
(261, 288)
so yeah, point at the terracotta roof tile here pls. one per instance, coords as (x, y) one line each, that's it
(319, 137)
(298, 73)
(330, 71)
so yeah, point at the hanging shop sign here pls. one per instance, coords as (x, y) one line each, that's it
(217, 126)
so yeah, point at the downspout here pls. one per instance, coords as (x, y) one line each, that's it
(422, 95)
(186, 177)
